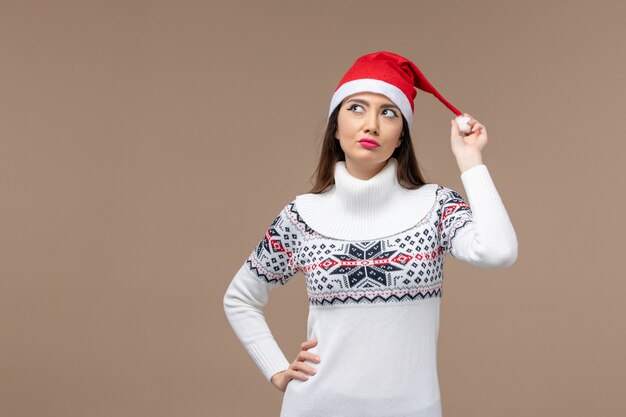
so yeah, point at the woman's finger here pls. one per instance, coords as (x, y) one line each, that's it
(304, 355)
(308, 344)
(299, 375)
(301, 366)
(455, 128)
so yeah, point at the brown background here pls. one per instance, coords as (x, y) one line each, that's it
(147, 145)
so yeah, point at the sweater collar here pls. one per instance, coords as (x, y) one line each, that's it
(368, 198)
(356, 209)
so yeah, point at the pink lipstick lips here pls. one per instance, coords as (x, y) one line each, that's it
(369, 143)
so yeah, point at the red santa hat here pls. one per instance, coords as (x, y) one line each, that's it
(393, 76)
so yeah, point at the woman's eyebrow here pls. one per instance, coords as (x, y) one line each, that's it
(361, 101)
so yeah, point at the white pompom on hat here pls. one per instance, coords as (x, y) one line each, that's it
(393, 76)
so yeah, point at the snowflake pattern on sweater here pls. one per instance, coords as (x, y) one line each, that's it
(402, 267)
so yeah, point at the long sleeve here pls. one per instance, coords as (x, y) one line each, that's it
(271, 264)
(480, 233)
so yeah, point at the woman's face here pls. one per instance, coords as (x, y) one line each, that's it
(368, 129)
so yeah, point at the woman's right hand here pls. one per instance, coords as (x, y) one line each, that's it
(297, 368)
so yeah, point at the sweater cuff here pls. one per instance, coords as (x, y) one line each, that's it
(478, 184)
(268, 357)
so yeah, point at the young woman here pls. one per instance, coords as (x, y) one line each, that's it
(370, 239)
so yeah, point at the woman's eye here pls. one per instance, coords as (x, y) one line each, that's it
(392, 113)
(353, 106)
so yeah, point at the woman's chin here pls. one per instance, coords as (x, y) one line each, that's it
(368, 157)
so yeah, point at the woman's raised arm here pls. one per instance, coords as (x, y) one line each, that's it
(480, 233)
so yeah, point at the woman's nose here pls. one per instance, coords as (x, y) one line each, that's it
(371, 124)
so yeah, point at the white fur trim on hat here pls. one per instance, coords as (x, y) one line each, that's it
(373, 86)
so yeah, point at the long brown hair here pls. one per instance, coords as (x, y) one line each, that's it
(409, 173)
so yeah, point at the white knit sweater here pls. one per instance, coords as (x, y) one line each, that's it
(372, 255)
